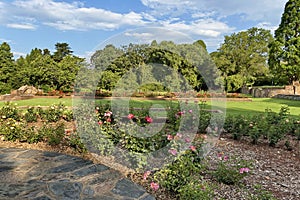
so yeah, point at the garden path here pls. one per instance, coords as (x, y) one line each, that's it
(43, 175)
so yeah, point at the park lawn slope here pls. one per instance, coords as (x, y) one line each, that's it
(256, 106)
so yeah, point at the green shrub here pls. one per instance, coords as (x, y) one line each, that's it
(53, 135)
(260, 194)
(67, 115)
(231, 171)
(238, 126)
(196, 190)
(275, 134)
(180, 173)
(31, 115)
(30, 135)
(53, 114)
(11, 129)
(75, 142)
(9, 111)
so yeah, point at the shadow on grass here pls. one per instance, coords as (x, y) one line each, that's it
(248, 112)
(290, 103)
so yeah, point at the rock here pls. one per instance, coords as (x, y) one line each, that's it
(27, 90)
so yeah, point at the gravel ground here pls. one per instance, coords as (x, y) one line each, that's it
(275, 169)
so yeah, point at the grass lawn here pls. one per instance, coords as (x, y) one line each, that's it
(257, 105)
(41, 101)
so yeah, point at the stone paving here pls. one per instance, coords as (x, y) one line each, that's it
(40, 175)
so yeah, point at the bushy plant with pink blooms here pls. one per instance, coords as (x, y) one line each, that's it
(230, 170)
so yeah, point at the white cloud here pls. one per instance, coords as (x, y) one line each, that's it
(268, 26)
(4, 40)
(21, 26)
(200, 19)
(208, 19)
(18, 54)
(68, 16)
(169, 3)
(266, 10)
(146, 35)
(140, 35)
(207, 28)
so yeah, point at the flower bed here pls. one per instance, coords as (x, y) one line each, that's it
(190, 175)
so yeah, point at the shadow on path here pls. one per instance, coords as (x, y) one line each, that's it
(40, 175)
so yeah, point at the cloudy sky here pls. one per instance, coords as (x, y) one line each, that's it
(84, 24)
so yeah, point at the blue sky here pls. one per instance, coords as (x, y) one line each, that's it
(84, 24)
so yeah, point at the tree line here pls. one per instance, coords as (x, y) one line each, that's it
(248, 58)
(255, 57)
(39, 68)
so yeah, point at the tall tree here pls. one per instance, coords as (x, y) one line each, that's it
(7, 66)
(285, 50)
(67, 71)
(116, 62)
(242, 58)
(62, 50)
(46, 52)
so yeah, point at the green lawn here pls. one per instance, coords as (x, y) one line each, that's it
(41, 101)
(257, 105)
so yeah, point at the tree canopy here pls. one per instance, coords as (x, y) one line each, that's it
(7, 67)
(39, 68)
(242, 58)
(188, 60)
(62, 50)
(285, 50)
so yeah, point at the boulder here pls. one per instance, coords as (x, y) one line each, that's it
(27, 91)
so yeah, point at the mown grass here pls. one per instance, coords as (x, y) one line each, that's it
(41, 101)
(257, 105)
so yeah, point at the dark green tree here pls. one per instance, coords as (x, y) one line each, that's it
(25, 69)
(46, 52)
(22, 75)
(242, 58)
(67, 70)
(7, 68)
(180, 57)
(101, 59)
(284, 58)
(44, 72)
(62, 50)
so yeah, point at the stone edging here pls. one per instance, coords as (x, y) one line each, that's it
(290, 97)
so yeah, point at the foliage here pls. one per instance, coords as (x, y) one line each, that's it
(231, 170)
(269, 125)
(196, 190)
(154, 64)
(180, 173)
(21, 125)
(62, 50)
(53, 135)
(54, 113)
(284, 58)
(260, 194)
(31, 115)
(39, 68)
(31, 135)
(242, 57)
(7, 67)
(75, 142)
(11, 129)
(9, 111)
